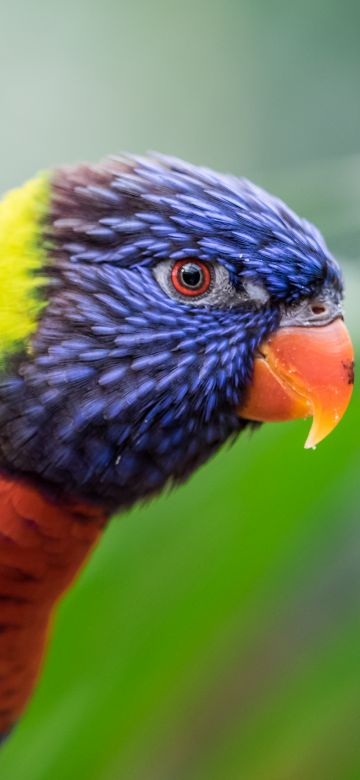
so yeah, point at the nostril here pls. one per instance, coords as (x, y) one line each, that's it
(318, 309)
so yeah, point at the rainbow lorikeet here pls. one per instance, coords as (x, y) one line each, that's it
(149, 311)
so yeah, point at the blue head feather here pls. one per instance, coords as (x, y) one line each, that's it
(127, 388)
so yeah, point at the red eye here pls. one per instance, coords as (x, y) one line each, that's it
(191, 277)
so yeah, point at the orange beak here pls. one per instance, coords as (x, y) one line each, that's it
(303, 372)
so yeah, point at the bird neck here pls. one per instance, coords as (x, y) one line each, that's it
(22, 256)
(43, 546)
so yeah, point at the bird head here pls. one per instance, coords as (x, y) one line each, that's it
(178, 307)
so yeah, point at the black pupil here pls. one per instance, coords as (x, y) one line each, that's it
(191, 276)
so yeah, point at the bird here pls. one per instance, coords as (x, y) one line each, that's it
(150, 310)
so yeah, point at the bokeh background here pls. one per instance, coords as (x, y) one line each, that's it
(215, 634)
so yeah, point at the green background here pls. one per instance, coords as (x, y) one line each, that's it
(215, 635)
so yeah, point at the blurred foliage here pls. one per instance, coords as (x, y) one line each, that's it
(215, 634)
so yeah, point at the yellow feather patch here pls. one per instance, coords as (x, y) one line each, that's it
(22, 256)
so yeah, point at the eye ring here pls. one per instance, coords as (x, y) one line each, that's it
(191, 277)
